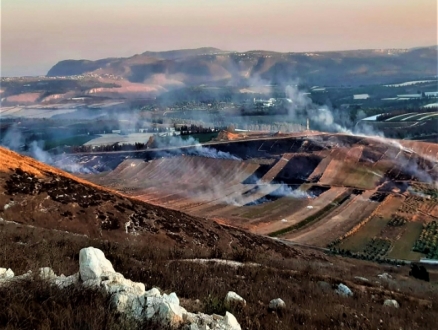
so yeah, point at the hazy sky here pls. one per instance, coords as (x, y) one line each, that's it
(35, 34)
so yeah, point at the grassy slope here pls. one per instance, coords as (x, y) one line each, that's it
(37, 306)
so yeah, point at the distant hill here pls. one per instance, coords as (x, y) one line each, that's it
(190, 67)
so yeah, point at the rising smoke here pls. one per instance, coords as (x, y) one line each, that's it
(15, 141)
(198, 150)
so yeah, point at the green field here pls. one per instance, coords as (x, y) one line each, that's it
(77, 140)
(402, 248)
(359, 240)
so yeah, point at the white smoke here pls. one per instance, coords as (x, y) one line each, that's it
(15, 141)
(270, 191)
(197, 150)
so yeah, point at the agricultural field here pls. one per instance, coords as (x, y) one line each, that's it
(427, 243)
(357, 196)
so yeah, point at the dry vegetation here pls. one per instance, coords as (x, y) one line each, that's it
(37, 305)
(57, 214)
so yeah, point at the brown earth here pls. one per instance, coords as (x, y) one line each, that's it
(242, 193)
(35, 194)
(42, 207)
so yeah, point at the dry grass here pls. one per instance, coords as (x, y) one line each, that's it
(36, 305)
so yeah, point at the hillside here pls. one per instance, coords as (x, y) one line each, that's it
(32, 193)
(48, 216)
(214, 66)
(317, 189)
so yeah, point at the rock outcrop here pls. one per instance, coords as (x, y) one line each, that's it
(277, 304)
(6, 273)
(92, 264)
(233, 300)
(131, 298)
(391, 303)
(344, 290)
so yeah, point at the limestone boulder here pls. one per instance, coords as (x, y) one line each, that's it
(129, 304)
(391, 303)
(154, 292)
(6, 274)
(171, 298)
(168, 313)
(277, 304)
(164, 309)
(116, 282)
(92, 264)
(344, 290)
(233, 300)
(384, 276)
(65, 281)
(46, 273)
(229, 322)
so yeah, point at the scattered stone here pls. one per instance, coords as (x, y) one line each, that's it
(25, 276)
(46, 273)
(6, 274)
(170, 313)
(391, 303)
(92, 264)
(116, 282)
(344, 290)
(277, 304)
(129, 304)
(154, 292)
(172, 298)
(130, 298)
(233, 300)
(229, 322)
(64, 282)
(360, 278)
(384, 276)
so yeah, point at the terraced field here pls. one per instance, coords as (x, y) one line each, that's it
(347, 192)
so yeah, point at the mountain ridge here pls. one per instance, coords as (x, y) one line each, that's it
(208, 65)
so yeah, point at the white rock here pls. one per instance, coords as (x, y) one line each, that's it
(116, 282)
(343, 290)
(92, 284)
(150, 312)
(130, 298)
(25, 276)
(129, 304)
(46, 273)
(229, 322)
(170, 314)
(384, 276)
(391, 303)
(171, 298)
(154, 292)
(6, 274)
(64, 282)
(92, 264)
(232, 300)
(360, 278)
(277, 304)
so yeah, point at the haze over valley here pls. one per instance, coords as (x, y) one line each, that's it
(285, 178)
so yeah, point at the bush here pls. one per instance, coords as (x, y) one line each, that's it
(419, 272)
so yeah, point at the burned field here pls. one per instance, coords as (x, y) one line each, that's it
(318, 190)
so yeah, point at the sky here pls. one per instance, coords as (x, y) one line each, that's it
(36, 34)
